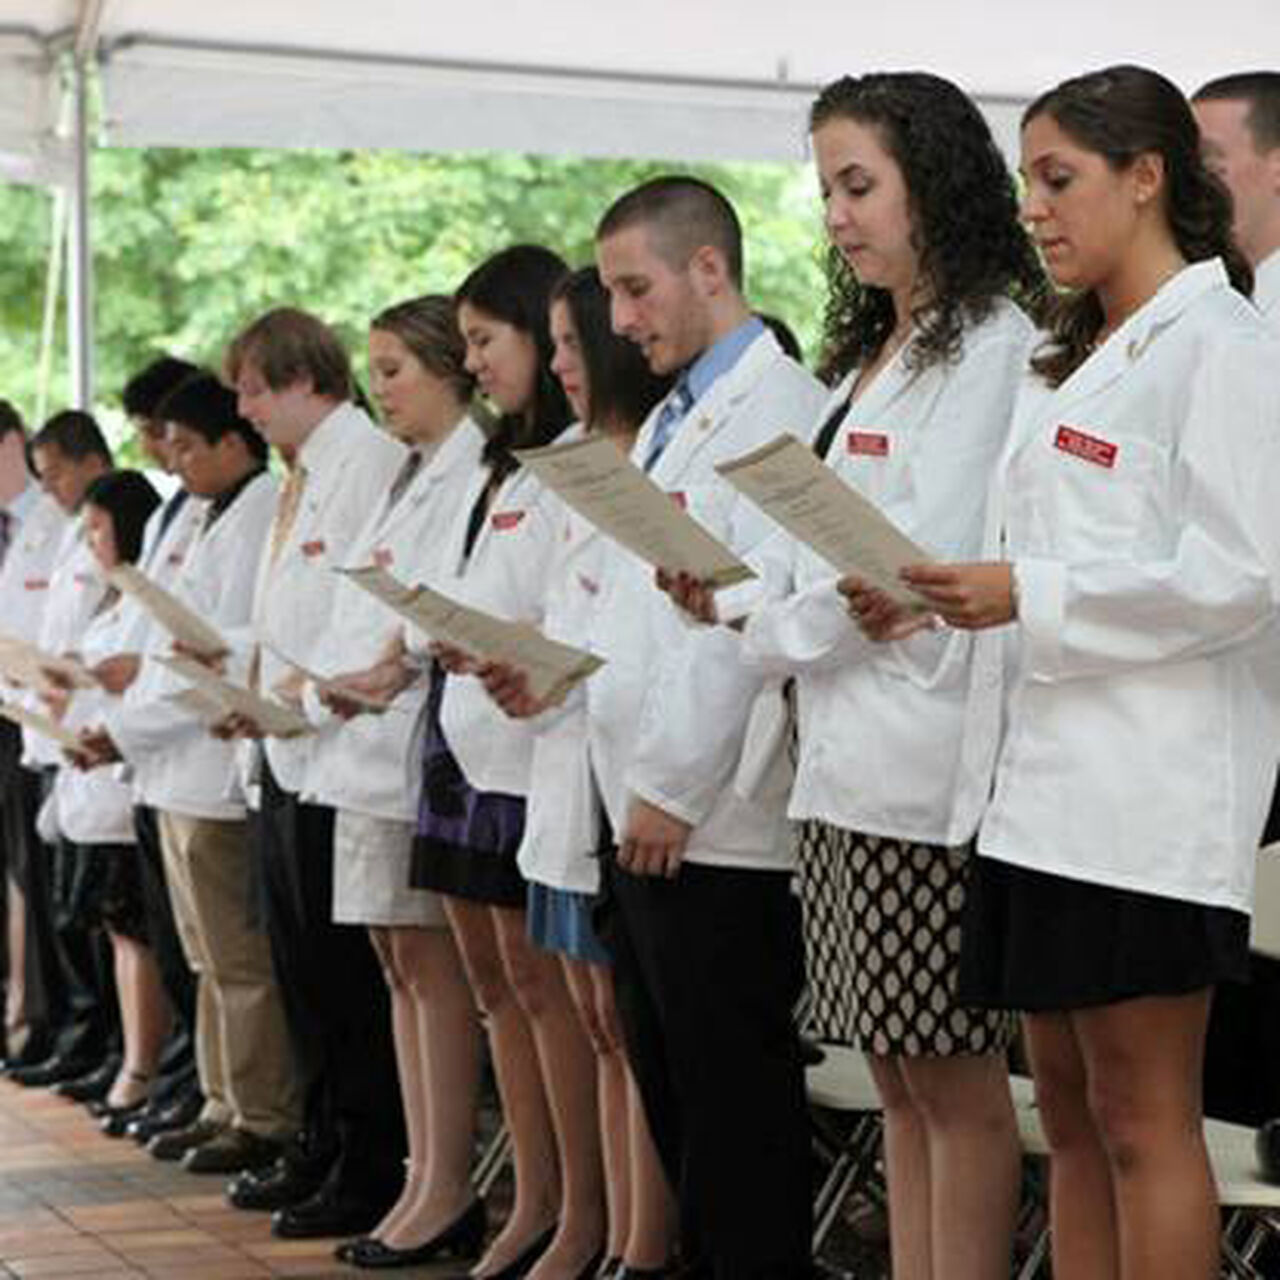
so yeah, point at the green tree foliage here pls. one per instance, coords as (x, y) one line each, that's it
(189, 245)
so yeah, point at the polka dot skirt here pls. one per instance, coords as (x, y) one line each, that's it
(882, 939)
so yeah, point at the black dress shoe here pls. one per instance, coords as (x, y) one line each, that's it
(38, 1048)
(280, 1185)
(114, 1121)
(327, 1213)
(52, 1071)
(157, 1118)
(94, 1085)
(523, 1262)
(461, 1238)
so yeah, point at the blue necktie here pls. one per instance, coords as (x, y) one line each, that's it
(679, 402)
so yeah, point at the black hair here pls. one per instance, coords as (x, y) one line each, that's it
(11, 420)
(129, 498)
(621, 388)
(972, 246)
(514, 286)
(144, 391)
(75, 434)
(207, 406)
(685, 213)
(1261, 90)
(1120, 113)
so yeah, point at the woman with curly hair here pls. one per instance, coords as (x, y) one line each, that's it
(927, 351)
(1136, 576)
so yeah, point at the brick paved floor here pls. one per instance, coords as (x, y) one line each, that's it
(75, 1203)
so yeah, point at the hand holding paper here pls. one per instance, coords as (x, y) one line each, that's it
(795, 488)
(552, 668)
(272, 718)
(605, 487)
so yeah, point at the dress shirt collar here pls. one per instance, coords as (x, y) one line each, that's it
(1266, 286)
(719, 358)
(326, 438)
(20, 508)
(222, 501)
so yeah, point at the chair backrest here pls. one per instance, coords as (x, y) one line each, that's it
(1265, 937)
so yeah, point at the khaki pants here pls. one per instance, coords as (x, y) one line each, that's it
(243, 1053)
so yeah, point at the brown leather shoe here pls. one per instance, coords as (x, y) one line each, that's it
(175, 1144)
(231, 1151)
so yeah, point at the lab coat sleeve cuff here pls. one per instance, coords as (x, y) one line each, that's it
(1042, 592)
(686, 808)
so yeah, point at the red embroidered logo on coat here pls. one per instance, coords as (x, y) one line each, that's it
(506, 519)
(874, 444)
(680, 500)
(383, 557)
(314, 548)
(36, 584)
(1080, 444)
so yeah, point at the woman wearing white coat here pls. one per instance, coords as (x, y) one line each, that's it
(931, 352)
(611, 390)
(366, 767)
(95, 809)
(476, 772)
(1134, 542)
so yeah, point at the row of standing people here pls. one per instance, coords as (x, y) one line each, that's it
(1095, 496)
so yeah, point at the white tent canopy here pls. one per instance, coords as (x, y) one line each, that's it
(703, 80)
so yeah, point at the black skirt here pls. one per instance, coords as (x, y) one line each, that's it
(1038, 942)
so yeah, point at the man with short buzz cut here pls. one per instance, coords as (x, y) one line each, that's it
(293, 381)
(1239, 118)
(699, 915)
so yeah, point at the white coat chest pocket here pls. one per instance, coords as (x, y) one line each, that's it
(1085, 492)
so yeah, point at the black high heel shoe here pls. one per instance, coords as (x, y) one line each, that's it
(461, 1238)
(523, 1262)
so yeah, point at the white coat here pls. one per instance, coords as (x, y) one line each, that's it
(668, 714)
(76, 589)
(95, 807)
(1137, 504)
(880, 725)
(371, 764)
(1266, 289)
(28, 565)
(562, 821)
(506, 575)
(350, 464)
(177, 764)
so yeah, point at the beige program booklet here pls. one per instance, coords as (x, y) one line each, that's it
(274, 718)
(605, 487)
(178, 619)
(795, 488)
(552, 668)
(23, 663)
(40, 724)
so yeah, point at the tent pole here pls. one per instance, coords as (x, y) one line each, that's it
(79, 248)
(52, 292)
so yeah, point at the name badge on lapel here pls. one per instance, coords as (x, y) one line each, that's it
(871, 444)
(313, 548)
(504, 520)
(678, 497)
(1080, 444)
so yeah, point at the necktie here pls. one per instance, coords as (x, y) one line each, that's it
(404, 478)
(6, 533)
(678, 403)
(287, 509)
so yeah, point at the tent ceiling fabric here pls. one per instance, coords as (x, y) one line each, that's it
(714, 79)
(29, 151)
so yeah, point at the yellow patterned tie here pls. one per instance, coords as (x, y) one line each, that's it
(287, 509)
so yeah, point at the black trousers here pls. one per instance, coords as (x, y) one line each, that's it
(707, 968)
(334, 995)
(177, 1069)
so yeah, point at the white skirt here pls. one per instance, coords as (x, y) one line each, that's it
(371, 875)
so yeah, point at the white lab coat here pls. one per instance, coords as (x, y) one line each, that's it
(880, 725)
(371, 764)
(1138, 506)
(95, 807)
(28, 566)
(177, 764)
(76, 589)
(350, 465)
(667, 715)
(562, 821)
(506, 575)
(1266, 289)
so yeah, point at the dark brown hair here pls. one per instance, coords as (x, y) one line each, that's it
(428, 327)
(288, 345)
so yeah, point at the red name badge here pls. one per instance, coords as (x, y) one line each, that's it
(313, 548)
(875, 444)
(1080, 444)
(679, 499)
(383, 557)
(503, 520)
(589, 585)
(36, 584)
